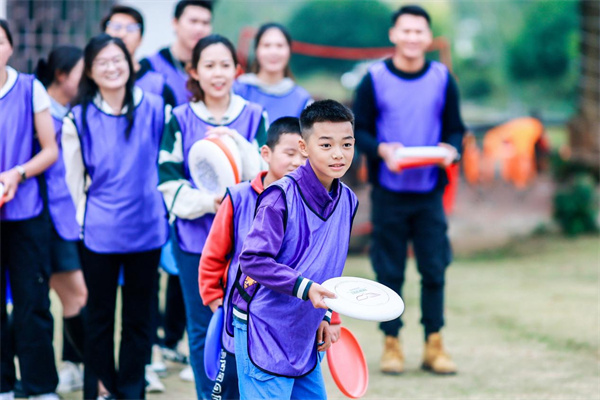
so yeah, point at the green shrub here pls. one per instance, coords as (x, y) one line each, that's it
(576, 205)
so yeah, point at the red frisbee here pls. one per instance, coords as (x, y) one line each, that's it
(420, 156)
(348, 365)
(1, 195)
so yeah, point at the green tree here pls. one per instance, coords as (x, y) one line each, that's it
(546, 43)
(338, 23)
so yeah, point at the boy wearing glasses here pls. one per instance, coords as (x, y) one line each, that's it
(127, 24)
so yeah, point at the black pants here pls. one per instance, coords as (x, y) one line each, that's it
(101, 273)
(400, 218)
(26, 258)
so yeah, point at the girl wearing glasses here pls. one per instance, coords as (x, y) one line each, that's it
(110, 142)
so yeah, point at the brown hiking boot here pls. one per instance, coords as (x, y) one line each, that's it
(392, 360)
(435, 358)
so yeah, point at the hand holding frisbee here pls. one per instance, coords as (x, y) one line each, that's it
(363, 299)
(1, 194)
(420, 156)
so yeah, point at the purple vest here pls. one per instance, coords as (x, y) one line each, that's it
(243, 198)
(409, 112)
(192, 233)
(60, 203)
(176, 79)
(17, 147)
(125, 212)
(290, 104)
(281, 328)
(151, 82)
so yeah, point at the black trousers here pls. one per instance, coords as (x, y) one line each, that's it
(26, 257)
(400, 218)
(101, 272)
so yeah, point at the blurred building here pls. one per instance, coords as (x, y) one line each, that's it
(40, 25)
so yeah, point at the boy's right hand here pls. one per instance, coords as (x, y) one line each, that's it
(216, 303)
(317, 293)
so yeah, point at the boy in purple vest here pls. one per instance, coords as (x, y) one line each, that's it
(298, 239)
(409, 101)
(192, 21)
(219, 263)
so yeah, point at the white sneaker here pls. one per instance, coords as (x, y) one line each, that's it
(187, 374)
(7, 396)
(153, 383)
(70, 378)
(45, 396)
(158, 364)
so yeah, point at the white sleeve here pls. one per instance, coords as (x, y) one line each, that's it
(41, 98)
(75, 175)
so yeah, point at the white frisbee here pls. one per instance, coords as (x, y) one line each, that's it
(363, 299)
(215, 164)
(436, 152)
(1, 194)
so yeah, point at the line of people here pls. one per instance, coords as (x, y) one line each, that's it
(102, 188)
(93, 199)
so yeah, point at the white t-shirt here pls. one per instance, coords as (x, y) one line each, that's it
(41, 99)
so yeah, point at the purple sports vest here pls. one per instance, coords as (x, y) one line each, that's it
(409, 112)
(281, 328)
(176, 79)
(192, 234)
(290, 104)
(17, 147)
(151, 82)
(243, 198)
(60, 203)
(125, 212)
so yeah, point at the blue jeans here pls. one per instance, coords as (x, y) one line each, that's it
(198, 316)
(257, 384)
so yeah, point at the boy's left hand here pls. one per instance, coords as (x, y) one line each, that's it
(452, 154)
(336, 331)
(323, 336)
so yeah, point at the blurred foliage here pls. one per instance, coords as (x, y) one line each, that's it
(545, 44)
(337, 24)
(576, 205)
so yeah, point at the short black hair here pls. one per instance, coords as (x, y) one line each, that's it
(324, 111)
(132, 12)
(282, 126)
(5, 28)
(180, 7)
(412, 10)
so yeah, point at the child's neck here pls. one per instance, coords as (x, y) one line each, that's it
(3, 76)
(114, 98)
(326, 181)
(408, 64)
(217, 106)
(269, 179)
(58, 95)
(270, 78)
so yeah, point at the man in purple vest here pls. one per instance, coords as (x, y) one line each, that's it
(298, 239)
(127, 24)
(192, 22)
(409, 101)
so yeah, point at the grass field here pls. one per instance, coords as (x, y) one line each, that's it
(522, 322)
